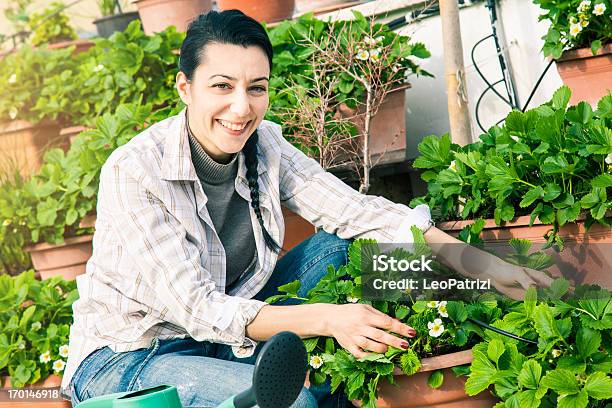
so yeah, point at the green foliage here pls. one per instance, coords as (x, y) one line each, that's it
(35, 318)
(49, 206)
(575, 24)
(16, 12)
(551, 162)
(570, 365)
(50, 26)
(294, 62)
(128, 67)
(23, 75)
(108, 7)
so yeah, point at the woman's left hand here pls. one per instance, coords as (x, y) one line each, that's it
(513, 280)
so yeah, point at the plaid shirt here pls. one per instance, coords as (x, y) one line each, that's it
(158, 266)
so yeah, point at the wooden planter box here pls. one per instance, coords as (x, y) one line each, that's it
(68, 259)
(413, 391)
(588, 76)
(48, 385)
(587, 257)
(22, 144)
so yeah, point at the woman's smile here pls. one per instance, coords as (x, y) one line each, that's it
(234, 128)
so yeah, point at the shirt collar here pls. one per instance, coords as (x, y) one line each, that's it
(177, 163)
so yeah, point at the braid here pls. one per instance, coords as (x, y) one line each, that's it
(250, 156)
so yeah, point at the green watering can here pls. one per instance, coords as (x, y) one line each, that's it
(278, 378)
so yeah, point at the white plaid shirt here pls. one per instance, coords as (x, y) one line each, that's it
(158, 266)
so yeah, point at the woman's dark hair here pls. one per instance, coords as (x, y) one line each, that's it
(236, 28)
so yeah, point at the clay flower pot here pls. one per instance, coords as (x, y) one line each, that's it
(23, 144)
(588, 76)
(68, 259)
(413, 391)
(81, 45)
(261, 10)
(49, 384)
(156, 15)
(586, 259)
(297, 229)
(72, 132)
(388, 127)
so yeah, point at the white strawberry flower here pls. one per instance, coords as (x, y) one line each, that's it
(575, 29)
(369, 41)
(98, 68)
(22, 345)
(63, 351)
(436, 328)
(515, 138)
(352, 299)
(362, 55)
(45, 357)
(555, 353)
(599, 9)
(58, 365)
(316, 362)
(6, 222)
(584, 23)
(442, 309)
(608, 158)
(375, 54)
(584, 5)
(380, 39)
(13, 112)
(432, 304)
(12, 79)
(453, 166)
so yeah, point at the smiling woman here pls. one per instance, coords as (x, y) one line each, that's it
(189, 229)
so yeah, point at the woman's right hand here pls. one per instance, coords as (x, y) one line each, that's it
(360, 328)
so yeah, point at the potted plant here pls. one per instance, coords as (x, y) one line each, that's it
(25, 132)
(51, 27)
(309, 87)
(157, 15)
(265, 10)
(34, 328)
(547, 167)
(448, 361)
(579, 39)
(113, 18)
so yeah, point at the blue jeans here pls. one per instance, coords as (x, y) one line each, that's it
(204, 373)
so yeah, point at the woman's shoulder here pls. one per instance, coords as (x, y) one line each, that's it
(146, 149)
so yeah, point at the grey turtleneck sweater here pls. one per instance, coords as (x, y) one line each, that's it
(228, 210)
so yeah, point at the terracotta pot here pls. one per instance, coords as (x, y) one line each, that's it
(22, 144)
(413, 391)
(51, 382)
(72, 132)
(321, 6)
(88, 221)
(261, 10)
(68, 259)
(297, 229)
(588, 76)
(388, 127)
(156, 15)
(587, 257)
(81, 45)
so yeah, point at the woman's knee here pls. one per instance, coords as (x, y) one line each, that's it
(305, 400)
